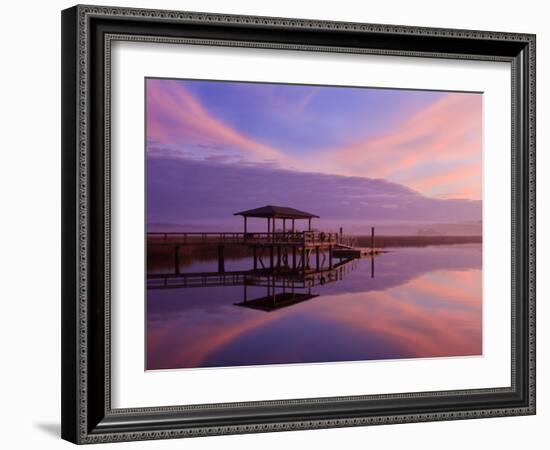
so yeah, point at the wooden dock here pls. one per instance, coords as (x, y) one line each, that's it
(286, 260)
(273, 250)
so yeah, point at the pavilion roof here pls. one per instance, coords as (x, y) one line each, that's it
(278, 212)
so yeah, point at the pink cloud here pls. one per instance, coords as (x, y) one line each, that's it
(446, 132)
(463, 177)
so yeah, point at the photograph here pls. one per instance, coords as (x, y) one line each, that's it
(298, 224)
(278, 220)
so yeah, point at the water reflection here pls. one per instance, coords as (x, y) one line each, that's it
(411, 302)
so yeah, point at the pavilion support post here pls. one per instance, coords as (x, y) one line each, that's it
(245, 230)
(268, 225)
(293, 227)
(309, 224)
(271, 257)
(255, 253)
(304, 259)
(221, 259)
(284, 227)
(278, 256)
(330, 257)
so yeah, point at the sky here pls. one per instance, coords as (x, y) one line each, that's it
(396, 154)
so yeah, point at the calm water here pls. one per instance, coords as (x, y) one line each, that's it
(421, 302)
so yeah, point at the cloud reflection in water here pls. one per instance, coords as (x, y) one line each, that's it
(422, 302)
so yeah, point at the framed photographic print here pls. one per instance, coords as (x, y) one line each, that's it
(278, 224)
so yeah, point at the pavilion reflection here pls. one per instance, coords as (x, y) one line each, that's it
(283, 288)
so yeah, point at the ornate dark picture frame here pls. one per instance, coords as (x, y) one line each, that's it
(87, 34)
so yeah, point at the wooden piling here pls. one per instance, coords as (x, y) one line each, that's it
(317, 251)
(177, 259)
(372, 239)
(221, 259)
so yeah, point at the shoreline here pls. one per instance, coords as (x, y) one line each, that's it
(414, 241)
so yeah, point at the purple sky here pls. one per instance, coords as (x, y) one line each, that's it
(360, 154)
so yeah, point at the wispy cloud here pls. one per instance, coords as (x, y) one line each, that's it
(432, 144)
(175, 116)
(292, 105)
(448, 132)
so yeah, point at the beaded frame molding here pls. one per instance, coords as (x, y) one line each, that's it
(87, 35)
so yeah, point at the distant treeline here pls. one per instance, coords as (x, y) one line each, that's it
(414, 241)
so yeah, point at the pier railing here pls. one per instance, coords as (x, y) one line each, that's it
(289, 237)
(315, 237)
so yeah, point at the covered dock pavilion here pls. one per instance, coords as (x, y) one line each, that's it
(272, 213)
